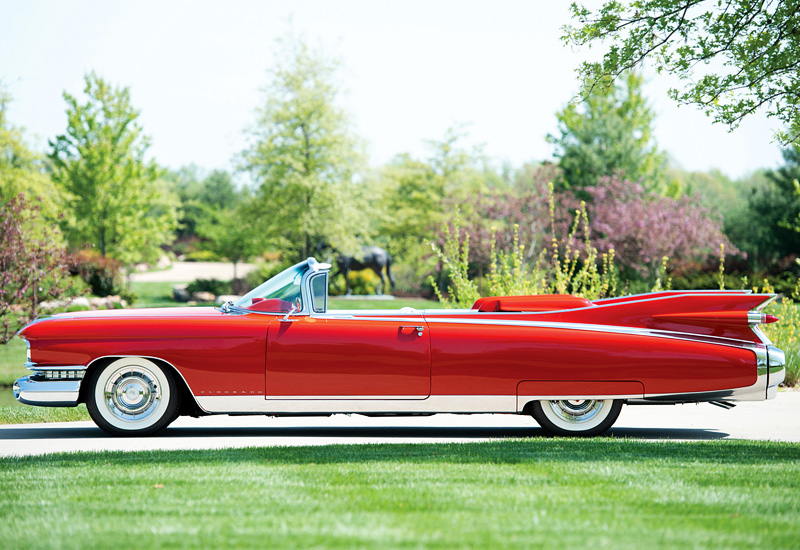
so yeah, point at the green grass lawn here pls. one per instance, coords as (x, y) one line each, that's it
(12, 359)
(538, 493)
(154, 294)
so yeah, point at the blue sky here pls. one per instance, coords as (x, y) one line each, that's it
(411, 70)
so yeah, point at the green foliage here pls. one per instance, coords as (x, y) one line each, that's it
(116, 201)
(304, 159)
(103, 275)
(663, 279)
(203, 256)
(362, 283)
(764, 228)
(786, 332)
(265, 271)
(734, 58)
(214, 286)
(509, 273)
(12, 359)
(22, 170)
(581, 271)
(227, 234)
(568, 266)
(414, 199)
(32, 265)
(454, 255)
(198, 193)
(610, 131)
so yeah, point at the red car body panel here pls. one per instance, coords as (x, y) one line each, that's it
(669, 343)
(348, 357)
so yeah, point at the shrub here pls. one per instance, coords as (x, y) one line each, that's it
(786, 332)
(103, 275)
(32, 265)
(569, 265)
(214, 286)
(362, 283)
(202, 256)
(643, 227)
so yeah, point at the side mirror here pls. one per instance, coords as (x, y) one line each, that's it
(296, 306)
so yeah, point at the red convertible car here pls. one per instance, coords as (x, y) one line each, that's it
(569, 362)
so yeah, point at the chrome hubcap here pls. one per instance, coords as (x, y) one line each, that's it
(132, 393)
(576, 411)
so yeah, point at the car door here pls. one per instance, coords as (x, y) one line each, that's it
(332, 356)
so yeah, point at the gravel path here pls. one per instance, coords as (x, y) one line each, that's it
(186, 272)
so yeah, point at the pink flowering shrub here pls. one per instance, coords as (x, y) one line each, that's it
(643, 227)
(32, 265)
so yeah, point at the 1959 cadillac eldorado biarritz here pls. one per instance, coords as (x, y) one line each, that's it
(569, 362)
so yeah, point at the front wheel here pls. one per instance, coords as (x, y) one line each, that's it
(132, 396)
(577, 417)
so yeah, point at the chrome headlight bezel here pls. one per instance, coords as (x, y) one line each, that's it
(27, 349)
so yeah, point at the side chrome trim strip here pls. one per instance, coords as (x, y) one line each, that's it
(342, 397)
(605, 328)
(364, 404)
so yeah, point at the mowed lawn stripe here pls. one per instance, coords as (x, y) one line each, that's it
(509, 493)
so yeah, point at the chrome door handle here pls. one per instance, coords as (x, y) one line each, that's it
(419, 329)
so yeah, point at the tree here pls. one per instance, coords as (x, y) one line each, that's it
(198, 193)
(765, 228)
(734, 57)
(416, 197)
(304, 159)
(22, 170)
(33, 265)
(229, 236)
(117, 202)
(610, 131)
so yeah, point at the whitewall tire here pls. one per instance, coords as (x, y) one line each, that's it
(577, 417)
(132, 396)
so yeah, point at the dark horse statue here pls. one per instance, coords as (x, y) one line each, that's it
(372, 257)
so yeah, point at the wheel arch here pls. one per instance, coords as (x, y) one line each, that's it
(189, 405)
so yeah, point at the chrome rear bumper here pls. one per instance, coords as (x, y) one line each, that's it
(47, 393)
(770, 372)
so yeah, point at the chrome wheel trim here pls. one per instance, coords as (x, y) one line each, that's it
(132, 393)
(577, 415)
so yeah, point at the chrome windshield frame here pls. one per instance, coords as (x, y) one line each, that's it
(308, 268)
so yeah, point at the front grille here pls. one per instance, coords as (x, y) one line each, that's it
(59, 374)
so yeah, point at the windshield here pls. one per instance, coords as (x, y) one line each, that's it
(283, 286)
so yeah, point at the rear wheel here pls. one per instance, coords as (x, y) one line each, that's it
(132, 396)
(577, 417)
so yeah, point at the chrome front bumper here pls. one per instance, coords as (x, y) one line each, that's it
(47, 393)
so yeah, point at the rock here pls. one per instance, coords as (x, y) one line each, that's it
(49, 305)
(203, 296)
(164, 262)
(180, 294)
(81, 301)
